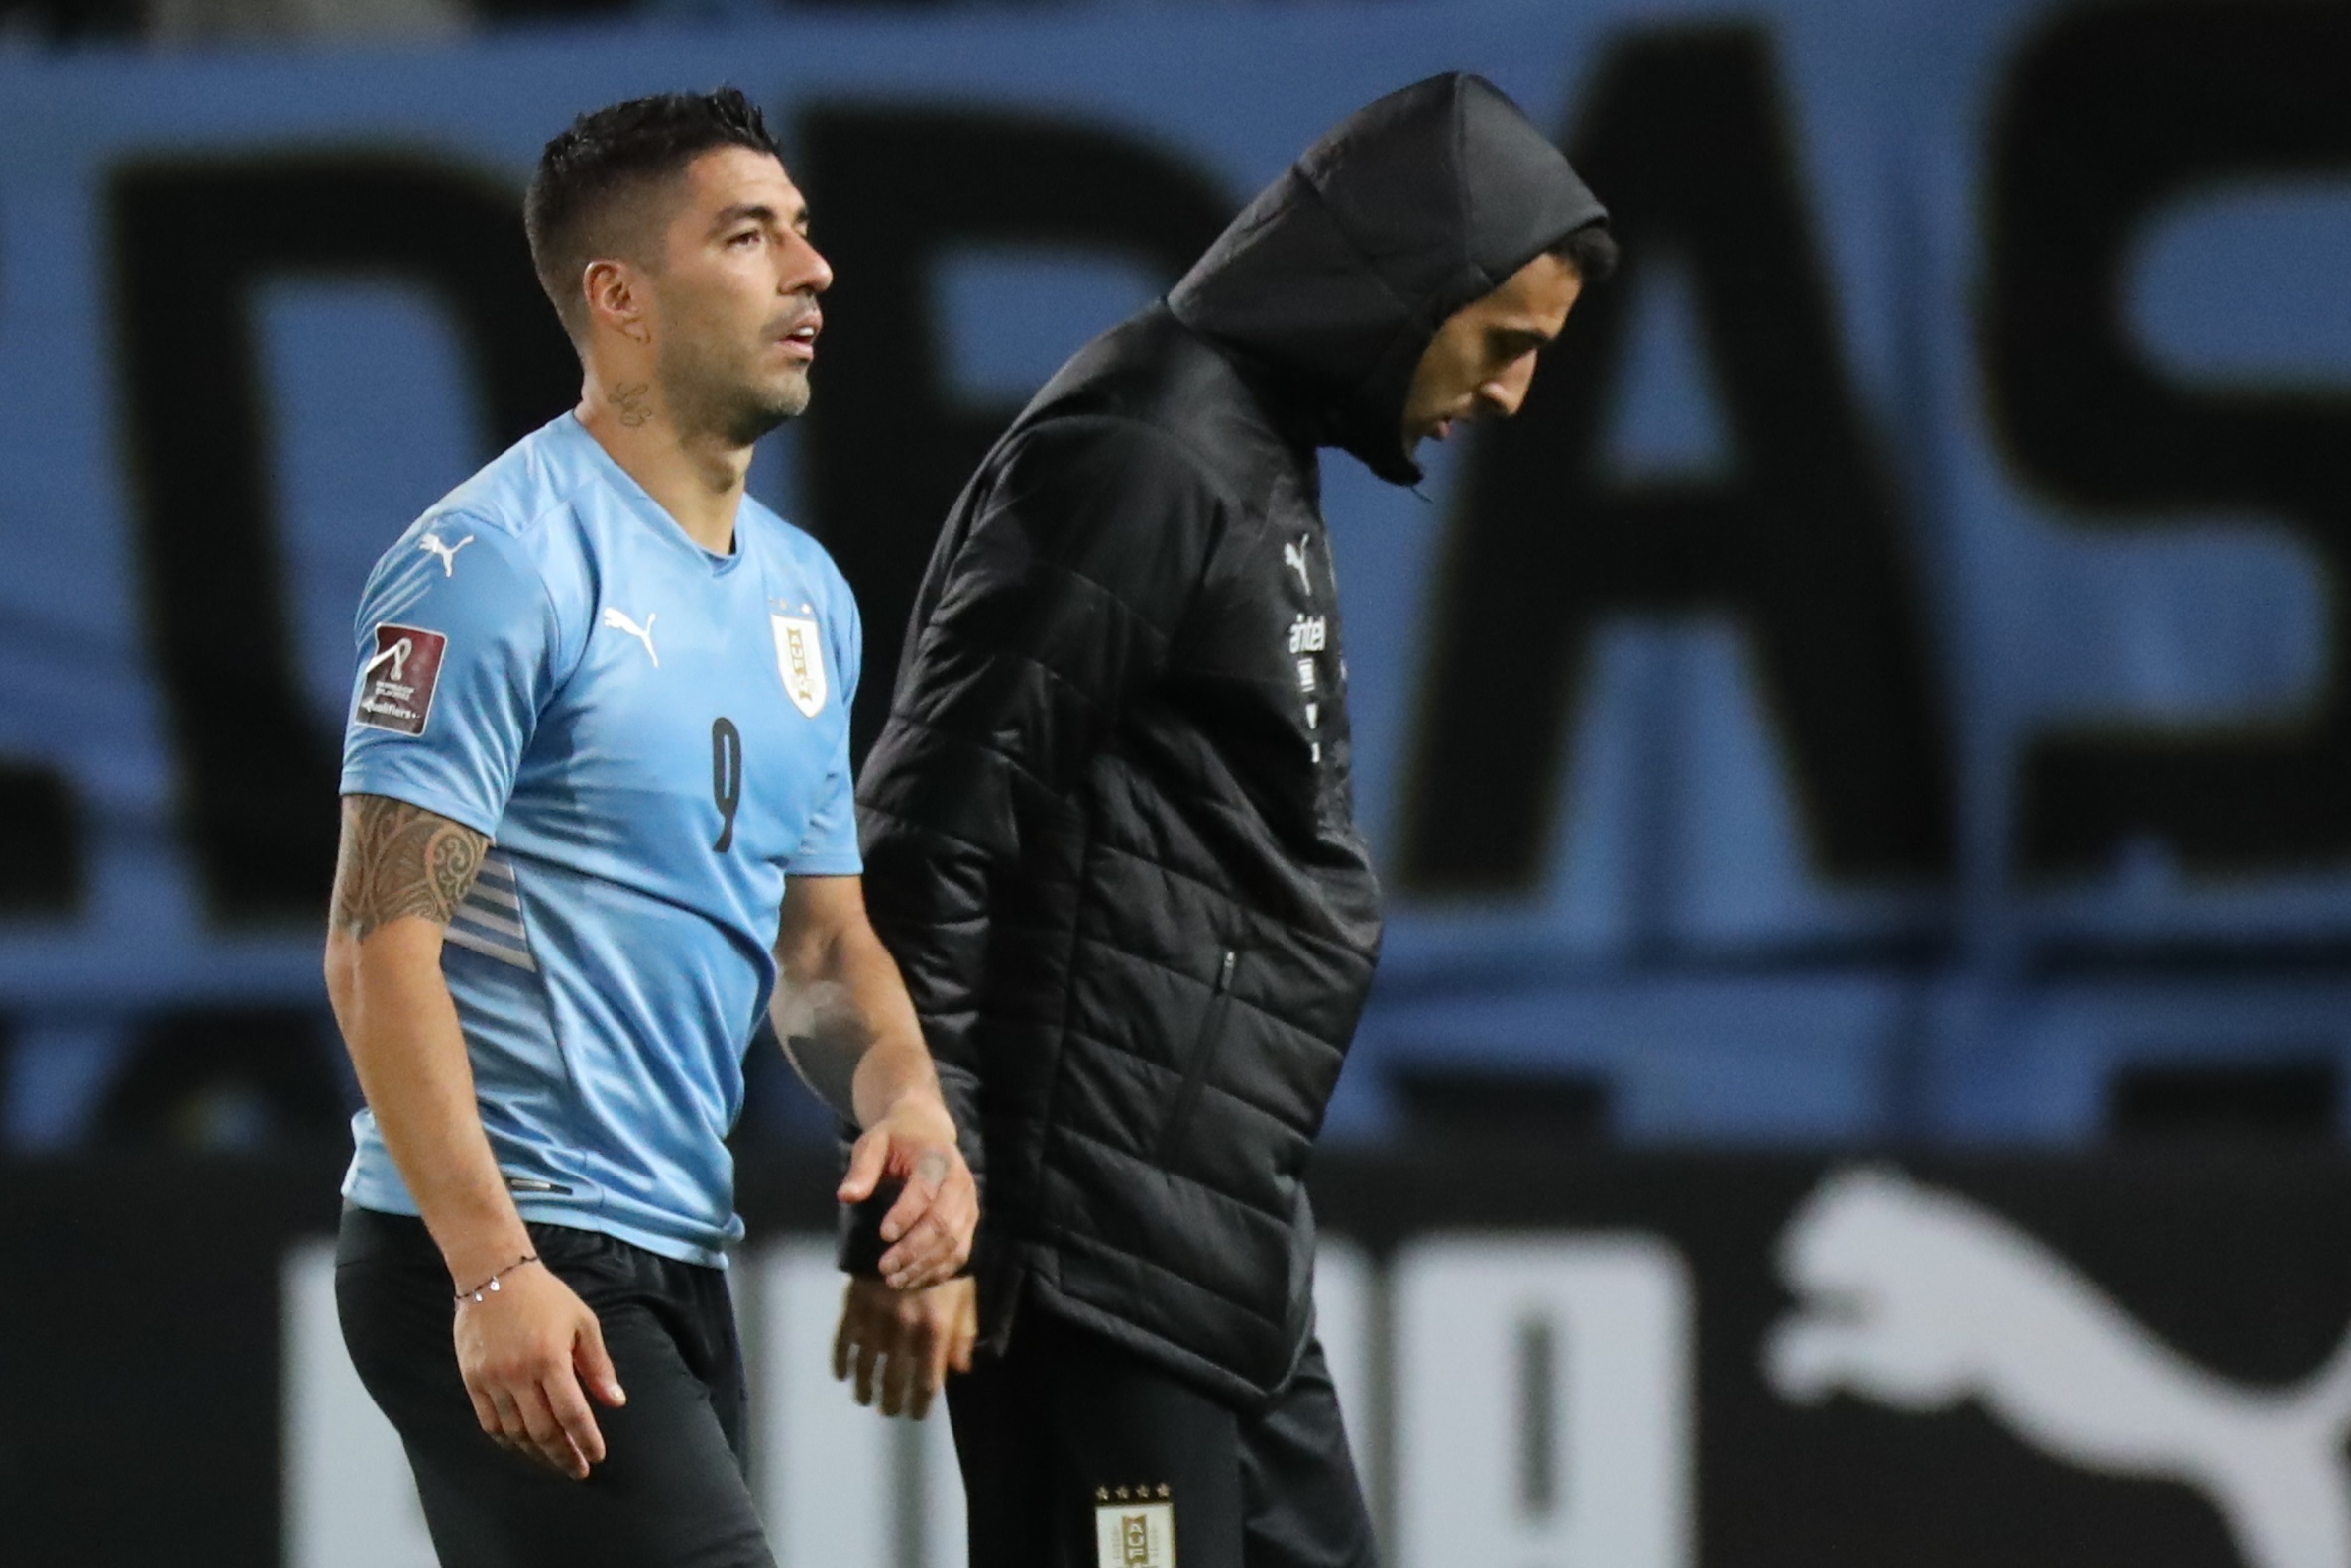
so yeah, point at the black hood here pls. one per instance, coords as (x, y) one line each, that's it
(1340, 272)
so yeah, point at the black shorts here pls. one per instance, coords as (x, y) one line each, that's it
(1067, 1436)
(671, 1491)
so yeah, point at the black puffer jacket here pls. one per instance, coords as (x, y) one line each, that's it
(1108, 826)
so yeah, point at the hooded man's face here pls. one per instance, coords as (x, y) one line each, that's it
(1482, 360)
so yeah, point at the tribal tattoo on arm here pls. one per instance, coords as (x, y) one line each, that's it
(401, 860)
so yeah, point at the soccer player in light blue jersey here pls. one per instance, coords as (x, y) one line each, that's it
(597, 815)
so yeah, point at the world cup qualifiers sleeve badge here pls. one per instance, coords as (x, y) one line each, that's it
(395, 685)
(1135, 1526)
(801, 658)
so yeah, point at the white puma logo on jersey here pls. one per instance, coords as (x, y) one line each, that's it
(399, 654)
(644, 633)
(1295, 556)
(1919, 1299)
(431, 544)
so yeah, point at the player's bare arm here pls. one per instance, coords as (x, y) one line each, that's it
(526, 1347)
(844, 1015)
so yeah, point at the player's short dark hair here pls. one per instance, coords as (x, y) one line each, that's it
(1590, 251)
(594, 180)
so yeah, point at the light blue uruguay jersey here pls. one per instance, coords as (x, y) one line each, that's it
(655, 737)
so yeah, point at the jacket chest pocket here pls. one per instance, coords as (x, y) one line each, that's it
(1202, 1057)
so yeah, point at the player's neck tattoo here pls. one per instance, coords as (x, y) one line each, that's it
(636, 404)
(401, 860)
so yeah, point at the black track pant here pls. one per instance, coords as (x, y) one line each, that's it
(1049, 1432)
(670, 1492)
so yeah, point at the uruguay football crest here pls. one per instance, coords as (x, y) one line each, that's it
(801, 658)
(1134, 1528)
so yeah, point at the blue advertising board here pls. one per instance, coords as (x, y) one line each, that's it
(1891, 673)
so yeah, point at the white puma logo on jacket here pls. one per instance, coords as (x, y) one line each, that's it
(1293, 556)
(1920, 1300)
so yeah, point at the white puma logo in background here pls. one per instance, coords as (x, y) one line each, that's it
(1295, 556)
(644, 633)
(1920, 1300)
(431, 544)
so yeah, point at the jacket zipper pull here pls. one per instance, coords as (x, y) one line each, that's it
(1224, 973)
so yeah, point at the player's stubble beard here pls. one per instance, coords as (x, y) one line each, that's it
(714, 385)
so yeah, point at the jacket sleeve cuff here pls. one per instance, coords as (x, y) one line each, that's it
(859, 1243)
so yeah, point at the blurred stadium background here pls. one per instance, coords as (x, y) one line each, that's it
(1863, 767)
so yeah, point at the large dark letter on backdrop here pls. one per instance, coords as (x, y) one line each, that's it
(2113, 114)
(894, 190)
(41, 851)
(191, 242)
(1684, 140)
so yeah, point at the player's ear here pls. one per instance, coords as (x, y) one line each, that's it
(614, 300)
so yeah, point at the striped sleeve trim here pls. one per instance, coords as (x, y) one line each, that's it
(488, 921)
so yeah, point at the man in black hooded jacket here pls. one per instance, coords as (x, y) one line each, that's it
(1109, 837)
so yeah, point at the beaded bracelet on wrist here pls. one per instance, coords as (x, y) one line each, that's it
(488, 1286)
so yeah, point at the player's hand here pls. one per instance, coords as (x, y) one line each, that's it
(901, 1346)
(928, 1229)
(524, 1353)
